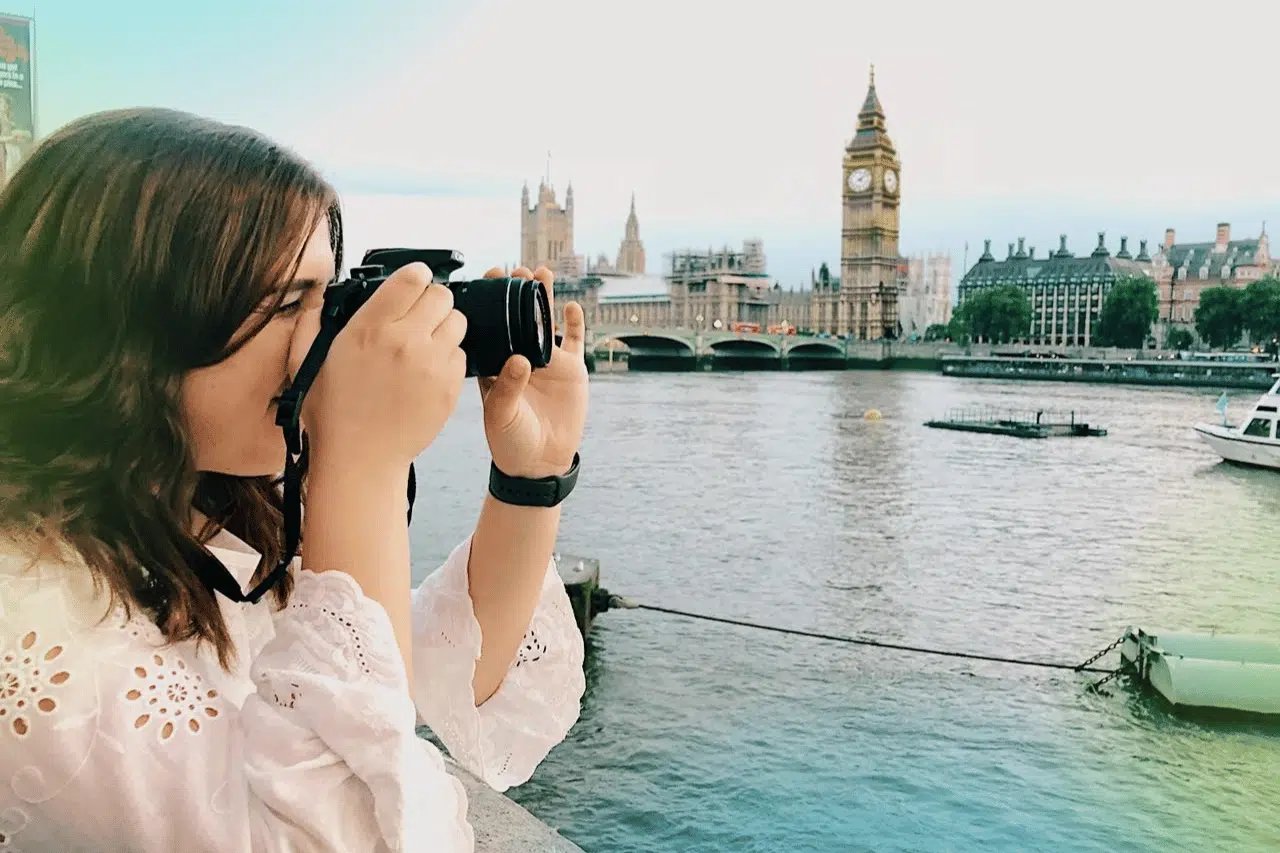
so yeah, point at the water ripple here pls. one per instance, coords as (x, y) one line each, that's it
(769, 498)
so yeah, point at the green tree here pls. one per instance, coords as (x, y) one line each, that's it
(995, 314)
(1220, 317)
(1261, 309)
(1128, 311)
(1180, 338)
(937, 332)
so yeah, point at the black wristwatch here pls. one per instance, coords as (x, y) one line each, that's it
(523, 491)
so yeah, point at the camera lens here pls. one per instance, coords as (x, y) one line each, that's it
(505, 317)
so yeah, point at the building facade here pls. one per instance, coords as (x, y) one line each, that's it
(723, 286)
(1066, 292)
(926, 300)
(708, 290)
(1183, 271)
(546, 233)
(872, 278)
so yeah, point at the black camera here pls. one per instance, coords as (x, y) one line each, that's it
(505, 316)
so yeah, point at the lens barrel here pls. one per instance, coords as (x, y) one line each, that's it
(505, 316)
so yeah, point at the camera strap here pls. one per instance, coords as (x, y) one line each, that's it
(289, 419)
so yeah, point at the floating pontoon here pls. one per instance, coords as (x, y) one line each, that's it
(1039, 424)
(1207, 671)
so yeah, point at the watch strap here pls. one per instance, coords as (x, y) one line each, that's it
(525, 491)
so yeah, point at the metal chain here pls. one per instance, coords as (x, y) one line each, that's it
(1101, 655)
(1093, 688)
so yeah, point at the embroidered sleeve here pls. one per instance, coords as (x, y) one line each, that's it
(111, 739)
(504, 739)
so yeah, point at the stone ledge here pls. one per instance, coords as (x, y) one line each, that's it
(501, 825)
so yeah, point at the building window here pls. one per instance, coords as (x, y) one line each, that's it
(1259, 428)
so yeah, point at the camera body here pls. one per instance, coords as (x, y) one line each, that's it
(505, 316)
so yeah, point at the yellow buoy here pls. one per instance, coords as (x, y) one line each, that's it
(872, 415)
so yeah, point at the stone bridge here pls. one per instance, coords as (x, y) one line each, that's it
(705, 348)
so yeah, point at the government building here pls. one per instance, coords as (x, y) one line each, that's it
(546, 233)
(1183, 271)
(1066, 292)
(863, 302)
(877, 295)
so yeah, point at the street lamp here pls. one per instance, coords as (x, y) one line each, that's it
(718, 323)
(635, 319)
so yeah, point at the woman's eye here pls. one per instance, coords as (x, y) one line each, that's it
(289, 307)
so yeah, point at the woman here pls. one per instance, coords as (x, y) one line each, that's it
(160, 278)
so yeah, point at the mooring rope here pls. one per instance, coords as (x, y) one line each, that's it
(608, 601)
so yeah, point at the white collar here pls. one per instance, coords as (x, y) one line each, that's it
(234, 553)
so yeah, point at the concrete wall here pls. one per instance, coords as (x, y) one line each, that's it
(503, 826)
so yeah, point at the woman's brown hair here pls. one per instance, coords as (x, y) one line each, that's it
(133, 245)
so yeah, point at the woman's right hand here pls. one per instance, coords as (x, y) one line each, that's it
(392, 376)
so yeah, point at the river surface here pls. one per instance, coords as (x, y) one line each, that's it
(768, 497)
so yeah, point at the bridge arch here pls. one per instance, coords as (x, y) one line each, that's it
(815, 349)
(648, 343)
(745, 346)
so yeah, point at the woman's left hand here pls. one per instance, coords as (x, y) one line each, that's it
(534, 419)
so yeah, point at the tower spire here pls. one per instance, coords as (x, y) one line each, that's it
(871, 109)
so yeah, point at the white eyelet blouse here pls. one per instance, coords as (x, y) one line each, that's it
(112, 740)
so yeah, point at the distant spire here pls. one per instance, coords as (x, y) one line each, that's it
(548, 168)
(633, 207)
(871, 106)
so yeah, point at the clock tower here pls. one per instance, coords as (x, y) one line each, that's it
(869, 277)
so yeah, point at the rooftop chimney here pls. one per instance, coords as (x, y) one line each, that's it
(1062, 247)
(1168, 238)
(1022, 252)
(1224, 237)
(1010, 257)
(1124, 248)
(1101, 250)
(1142, 251)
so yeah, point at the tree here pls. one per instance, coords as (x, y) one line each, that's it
(1128, 311)
(1260, 309)
(1220, 317)
(995, 314)
(1180, 338)
(937, 332)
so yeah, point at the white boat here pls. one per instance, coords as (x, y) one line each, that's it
(1205, 672)
(1253, 441)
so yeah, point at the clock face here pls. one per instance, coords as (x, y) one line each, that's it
(860, 180)
(890, 180)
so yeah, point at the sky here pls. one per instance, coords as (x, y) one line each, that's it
(1012, 119)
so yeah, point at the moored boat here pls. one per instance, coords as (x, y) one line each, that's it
(1253, 441)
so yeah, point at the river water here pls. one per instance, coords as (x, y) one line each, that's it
(768, 497)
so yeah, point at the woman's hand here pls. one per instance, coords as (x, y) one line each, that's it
(392, 377)
(534, 419)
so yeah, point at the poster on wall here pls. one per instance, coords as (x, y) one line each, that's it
(17, 98)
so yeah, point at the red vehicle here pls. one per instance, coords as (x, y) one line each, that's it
(743, 326)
